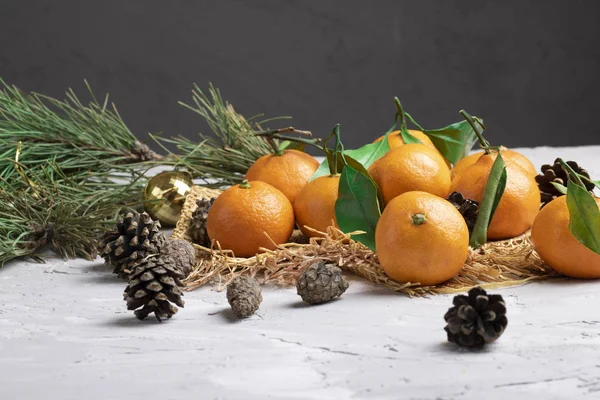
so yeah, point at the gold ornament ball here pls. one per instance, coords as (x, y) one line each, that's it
(165, 194)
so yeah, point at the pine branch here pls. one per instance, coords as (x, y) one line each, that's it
(221, 160)
(75, 136)
(46, 207)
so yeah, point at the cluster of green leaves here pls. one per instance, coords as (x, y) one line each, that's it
(359, 202)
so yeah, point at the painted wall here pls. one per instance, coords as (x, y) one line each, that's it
(530, 68)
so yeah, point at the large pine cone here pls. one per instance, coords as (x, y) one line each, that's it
(134, 236)
(153, 285)
(321, 282)
(555, 173)
(476, 319)
(197, 229)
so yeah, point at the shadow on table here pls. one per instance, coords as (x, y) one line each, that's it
(100, 273)
(451, 348)
(130, 321)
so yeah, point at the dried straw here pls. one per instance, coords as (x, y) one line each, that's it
(496, 264)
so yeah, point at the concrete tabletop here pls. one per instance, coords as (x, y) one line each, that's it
(65, 334)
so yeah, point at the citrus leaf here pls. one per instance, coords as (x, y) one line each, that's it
(453, 141)
(365, 155)
(357, 206)
(584, 216)
(290, 145)
(407, 138)
(561, 188)
(492, 193)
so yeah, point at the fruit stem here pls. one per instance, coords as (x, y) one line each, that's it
(400, 115)
(245, 184)
(478, 128)
(419, 219)
(337, 150)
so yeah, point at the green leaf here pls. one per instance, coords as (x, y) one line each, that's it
(584, 221)
(365, 156)
(290, 145)
(561, 188)
(453, 141)
(357, 206)
(407, 138)
(492, 193)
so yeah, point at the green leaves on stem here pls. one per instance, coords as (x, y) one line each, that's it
(492, 193)
(584, 215)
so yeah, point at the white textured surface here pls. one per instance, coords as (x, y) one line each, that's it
(65, 334)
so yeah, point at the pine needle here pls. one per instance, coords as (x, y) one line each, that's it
(221, 160)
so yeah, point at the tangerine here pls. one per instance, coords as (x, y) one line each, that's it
(421, 238)
(557, 246)
(519, 204)
(315, 205)
(288, 171)
(411, 167)
(509, 156)
(250, 216)
(395, 139)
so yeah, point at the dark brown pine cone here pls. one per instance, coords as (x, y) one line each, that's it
(134, 237)
(555, 173)
(468, 208)
(153, 285)
(197, 229)
(476, 319)
(320, 283)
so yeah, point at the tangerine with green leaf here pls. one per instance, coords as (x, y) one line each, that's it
(519, 204)
(314, 206)
(557, 246)
(421, 238)
(250, 216)
(509, 156)
(286, 170)
(395, 138)
(411, 167)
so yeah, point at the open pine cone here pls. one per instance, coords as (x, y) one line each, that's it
(476, 319)
(134, 236)
(153, 285)
(555, 173)
(468, 208)
(197, 228)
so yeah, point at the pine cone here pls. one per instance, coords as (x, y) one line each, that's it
(468, 208)
(320, 283)
(182, 252)
(198, 231)
(153, 285)
(476, 319)
(134, 236)
(244, 296)
(556, 173)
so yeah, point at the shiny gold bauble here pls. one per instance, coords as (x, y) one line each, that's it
(165, 194)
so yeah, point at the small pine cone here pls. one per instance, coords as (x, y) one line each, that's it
(134, 237)
(244, 296)
(555, 173)
(182, 252)
(320, 283)
(476, 319)
(153, 285)
(468, 208)
(197, 230)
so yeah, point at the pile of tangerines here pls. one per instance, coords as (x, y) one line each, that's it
(420, 236)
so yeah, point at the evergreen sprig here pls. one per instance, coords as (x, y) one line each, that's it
(223, 159)
(75, 136)
(44, 206)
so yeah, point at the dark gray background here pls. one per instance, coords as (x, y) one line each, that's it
(530, 68)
